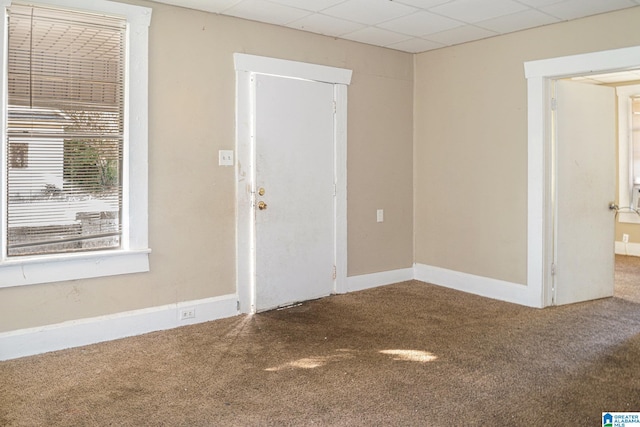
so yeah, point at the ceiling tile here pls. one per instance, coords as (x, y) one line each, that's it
(586, 80)
(375, 36)
(420, 23)
(327, 25)
(370, 12)
(409, 25)
(472, 11)
(573, 9)
(517, 21)
(617, 77)
(215, 6)
(416, 45)
(312, 5)
(623, 76)
(540, 3)
(423, 4)
(460, 35)
(264, 11)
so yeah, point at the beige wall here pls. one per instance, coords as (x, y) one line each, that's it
(467, 183)
(471, 142)
(192, 200)
(633, 230)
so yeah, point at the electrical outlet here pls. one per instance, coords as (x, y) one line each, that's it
(187, 313)
(625, 238)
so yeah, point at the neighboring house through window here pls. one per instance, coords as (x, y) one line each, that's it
(75, 170)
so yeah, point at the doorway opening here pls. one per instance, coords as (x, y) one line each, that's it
(541, 75)
(627, 266)
(627, 219)
(250, 70)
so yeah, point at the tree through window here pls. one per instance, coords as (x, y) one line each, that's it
(66, 84)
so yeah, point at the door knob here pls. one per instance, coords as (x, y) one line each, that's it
(613, 206)
(262, 205)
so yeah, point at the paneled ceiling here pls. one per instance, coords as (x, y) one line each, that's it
(408, 25)
(610, 78)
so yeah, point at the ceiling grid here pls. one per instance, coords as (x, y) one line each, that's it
(408, 25)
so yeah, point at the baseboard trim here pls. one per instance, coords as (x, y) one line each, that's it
(76, 333)
(478, 285)
(373, 280)
(631, 249)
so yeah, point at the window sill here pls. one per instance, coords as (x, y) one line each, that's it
(34, 270)
(629, 218)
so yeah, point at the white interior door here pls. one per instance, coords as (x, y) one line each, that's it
(585, 173)
(295, 172)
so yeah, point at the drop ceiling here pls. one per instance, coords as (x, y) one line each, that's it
(408, 25)
(610, 78)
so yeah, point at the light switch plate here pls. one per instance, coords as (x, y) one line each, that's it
(225, 158)
(380, 215)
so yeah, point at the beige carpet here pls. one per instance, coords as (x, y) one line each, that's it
(405, 354)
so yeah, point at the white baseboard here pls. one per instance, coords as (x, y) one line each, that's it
(632, 249)
(373, 280)
(478, 285)
(75, 333)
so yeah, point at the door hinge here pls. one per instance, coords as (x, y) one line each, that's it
(335, 273)
(335, 190)
(554, 104)
(238, 305)
(553, 269)
(335, 107)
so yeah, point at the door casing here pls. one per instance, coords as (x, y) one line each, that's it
(539, 75)
(246, 66)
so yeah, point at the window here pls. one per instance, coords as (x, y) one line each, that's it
(75, 169)
(628, 152)
(634, 140)
(65, 105)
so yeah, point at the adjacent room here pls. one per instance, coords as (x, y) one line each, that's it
(334, 212)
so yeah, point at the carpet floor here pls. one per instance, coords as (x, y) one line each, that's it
(405, 354)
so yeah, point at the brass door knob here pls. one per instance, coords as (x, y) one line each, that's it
(262, 205)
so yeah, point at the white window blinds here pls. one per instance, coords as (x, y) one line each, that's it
(635, 138)
(65, 127)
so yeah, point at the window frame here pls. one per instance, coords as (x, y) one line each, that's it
(133, 256)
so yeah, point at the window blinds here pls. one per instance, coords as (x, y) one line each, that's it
(635, 139)
(65, 126)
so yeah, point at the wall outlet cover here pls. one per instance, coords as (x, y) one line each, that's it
(225, 158)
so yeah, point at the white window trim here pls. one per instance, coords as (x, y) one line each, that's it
(625, 149)
(133, 257)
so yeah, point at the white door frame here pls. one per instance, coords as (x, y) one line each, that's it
(539, 75)
(246, 66)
